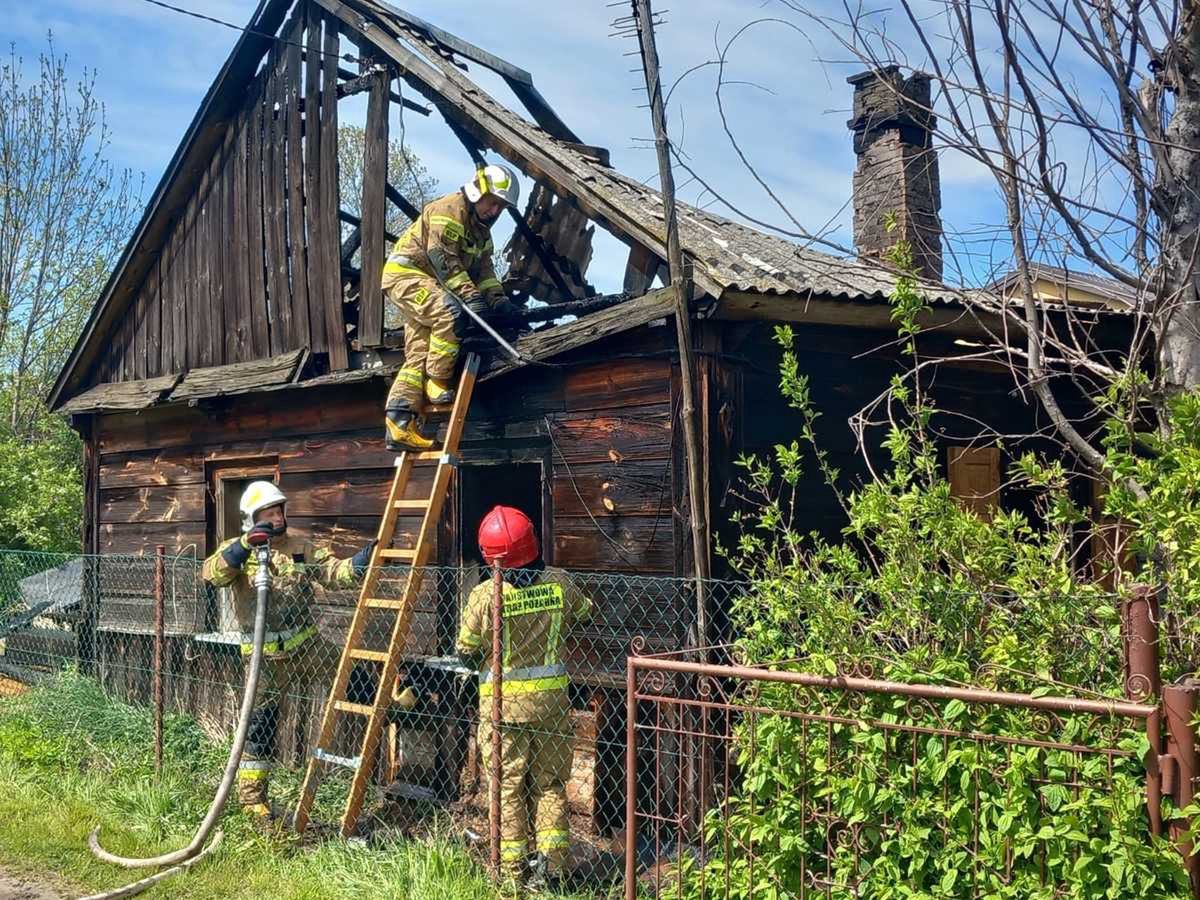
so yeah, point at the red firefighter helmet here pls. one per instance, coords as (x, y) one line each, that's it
(507, 533)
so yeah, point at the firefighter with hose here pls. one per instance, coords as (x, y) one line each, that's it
(294, 654)
(540, 605)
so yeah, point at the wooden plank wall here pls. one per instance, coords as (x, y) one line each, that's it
(604, 426)
(607, 430)
(249, 268)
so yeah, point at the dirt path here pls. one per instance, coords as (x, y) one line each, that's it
(24, 887)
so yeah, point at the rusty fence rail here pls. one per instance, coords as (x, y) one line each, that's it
(769, 781)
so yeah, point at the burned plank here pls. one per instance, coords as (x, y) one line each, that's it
(221, 252)
(239, 378)
(157, 503)
(402, 203)
(202, 250)
(617, 384)
(153, 322)
(374, 184)
(641, 269)
(631, 314)
(288, 414)
(312, 182)
(634, 433)
(150, 467)
(239, 286)
(275, 209)
(297, 268)
(136, 349)
(122, 395)
(360, 492)
(186, 538)
(260, 308)
(327, 234)
(641, 544)
(603, 490)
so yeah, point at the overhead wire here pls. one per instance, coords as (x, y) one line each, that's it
(204, 17)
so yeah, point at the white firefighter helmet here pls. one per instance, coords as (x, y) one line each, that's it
(500, 181)
(257, 496)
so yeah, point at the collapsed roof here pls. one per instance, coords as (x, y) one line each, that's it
(550, 251)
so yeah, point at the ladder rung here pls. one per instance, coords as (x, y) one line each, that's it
(395, 553)
(439, 409)
(383, 603)
(433, 456)
(369, 655)
(411, 504)
(350, 762)
(360, 709)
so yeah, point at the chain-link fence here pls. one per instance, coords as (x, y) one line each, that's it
(740, 784)
(564, 641)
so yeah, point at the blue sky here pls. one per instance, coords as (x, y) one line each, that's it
(154, 66)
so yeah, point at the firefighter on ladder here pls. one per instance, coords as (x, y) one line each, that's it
(536, 736)
(294, 655)
(444, 256)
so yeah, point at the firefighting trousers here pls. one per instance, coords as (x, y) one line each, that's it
(306, 670)
(536, 764)
(433, 325)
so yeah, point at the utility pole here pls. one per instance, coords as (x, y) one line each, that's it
(681, 280)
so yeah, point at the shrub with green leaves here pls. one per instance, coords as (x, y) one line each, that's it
(877, 796)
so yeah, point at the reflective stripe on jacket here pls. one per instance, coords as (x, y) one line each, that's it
(449, 244)
(536, 620)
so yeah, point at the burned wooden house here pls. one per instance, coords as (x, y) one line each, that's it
(242, 335)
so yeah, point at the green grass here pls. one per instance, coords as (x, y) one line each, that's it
(72, 758)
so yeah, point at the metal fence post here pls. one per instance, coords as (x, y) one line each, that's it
(1143, 683)
(1179, 707)
(159, 590)
(630, 779)
(497, 766)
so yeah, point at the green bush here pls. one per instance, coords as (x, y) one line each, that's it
(878, 796)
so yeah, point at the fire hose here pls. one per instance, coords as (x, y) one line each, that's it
(192, 853)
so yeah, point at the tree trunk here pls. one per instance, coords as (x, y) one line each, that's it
(1179, 320)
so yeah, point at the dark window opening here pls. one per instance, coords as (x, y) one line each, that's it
(482, 487)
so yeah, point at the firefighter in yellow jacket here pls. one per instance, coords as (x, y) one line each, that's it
(446, 253)
(294, 655)
(535, 736)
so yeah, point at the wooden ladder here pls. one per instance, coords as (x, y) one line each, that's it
(353, 652)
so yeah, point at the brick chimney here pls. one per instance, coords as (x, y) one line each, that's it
(897, 172)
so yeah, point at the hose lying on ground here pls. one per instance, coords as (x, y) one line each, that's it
(263, 583)
(137, 887)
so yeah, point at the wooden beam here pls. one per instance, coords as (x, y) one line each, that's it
(402, 203)
(641, 269)
(330, 243)
(374, 188)
(619, 318)
(355, 222)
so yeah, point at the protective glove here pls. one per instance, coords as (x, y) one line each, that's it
(362, 559)
(238, 552)
(505, 309)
